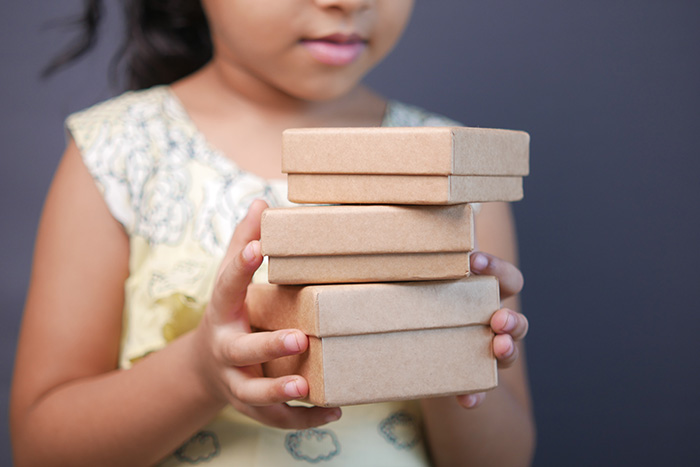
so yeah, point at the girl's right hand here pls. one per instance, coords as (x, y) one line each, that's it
(229, 356)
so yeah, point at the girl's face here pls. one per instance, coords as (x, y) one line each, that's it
(309, 49)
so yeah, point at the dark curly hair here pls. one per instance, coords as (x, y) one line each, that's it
(165, 40)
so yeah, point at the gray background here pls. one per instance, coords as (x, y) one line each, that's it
(609, 228)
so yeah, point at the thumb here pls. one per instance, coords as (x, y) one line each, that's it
(247, 229)
(241, 261)
(510, 279)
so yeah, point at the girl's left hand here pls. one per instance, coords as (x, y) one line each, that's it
(508, 325)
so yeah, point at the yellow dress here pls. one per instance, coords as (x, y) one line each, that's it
(179, 200)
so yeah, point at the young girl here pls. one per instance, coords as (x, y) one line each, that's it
(135, 347)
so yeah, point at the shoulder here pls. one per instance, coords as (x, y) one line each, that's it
(402, 114)
(124, 104)
(114, 116)
(121, 142)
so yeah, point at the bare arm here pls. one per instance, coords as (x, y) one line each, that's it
(70, 405)
(500, 431)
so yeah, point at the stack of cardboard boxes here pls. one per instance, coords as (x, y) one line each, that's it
(380, 280)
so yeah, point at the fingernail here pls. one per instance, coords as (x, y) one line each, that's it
(509, 352)
(249, 252)
(291, 389)
(471, 401)
(479, 262)
(291, 342)
(333, 416)
(510, 323)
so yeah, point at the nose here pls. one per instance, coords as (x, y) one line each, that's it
(345, 5)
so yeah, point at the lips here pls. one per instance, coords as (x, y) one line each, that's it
(336, 49)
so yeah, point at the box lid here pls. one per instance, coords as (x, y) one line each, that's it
(345, 230)
(406, 150)
(351, 309)
(396, 267)
(402, 189)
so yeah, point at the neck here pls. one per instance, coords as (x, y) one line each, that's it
(245, 123)
(242, 87)
(224, 87)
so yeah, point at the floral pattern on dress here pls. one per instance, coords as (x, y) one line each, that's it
(313, 445)
(225, 203)
(202, 447)
(401, 429)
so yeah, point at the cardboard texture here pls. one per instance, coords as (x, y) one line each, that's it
(367, 268)
(362, 230)
(342, 309)
(371, 368)
(423, 150)
(364, 337)
(402, 189)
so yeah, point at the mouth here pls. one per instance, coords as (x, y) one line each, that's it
(336, 49)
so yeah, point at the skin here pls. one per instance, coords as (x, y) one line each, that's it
(67, 390)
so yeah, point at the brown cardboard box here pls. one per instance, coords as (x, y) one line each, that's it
(417, 151)
(333, 244)
(367, 268)
(402, 189)
(378, 342)
(348, 230)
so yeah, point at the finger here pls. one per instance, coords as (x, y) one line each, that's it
(505, 350)
(510, 279)
(291, 418)
(249, 227)
(470, 401)
(247, 230)
(242, 259)
(506, 321)
(243, 349)
(261, 391)
(228, 297)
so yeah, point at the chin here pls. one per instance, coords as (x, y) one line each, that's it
(313, 82)
(324, 91)
(317, 96)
